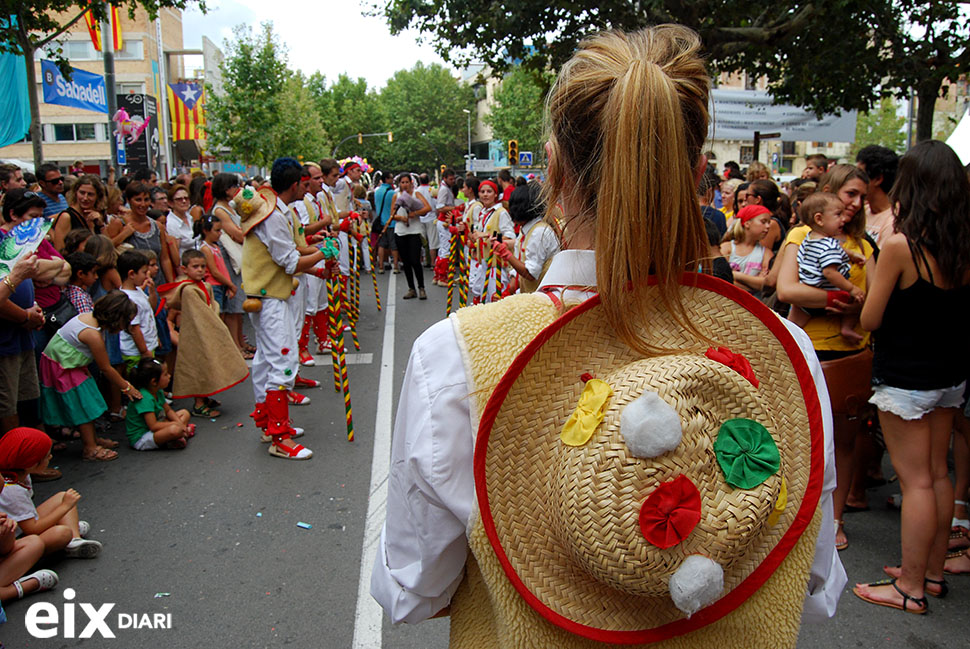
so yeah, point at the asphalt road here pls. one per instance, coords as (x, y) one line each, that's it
(209, 535)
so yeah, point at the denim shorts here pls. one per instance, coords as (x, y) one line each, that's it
(913, 404)
(219, 296)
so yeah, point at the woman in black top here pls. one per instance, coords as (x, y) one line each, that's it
(85, 210)
(918, 306)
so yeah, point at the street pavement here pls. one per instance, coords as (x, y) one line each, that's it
(209, 535)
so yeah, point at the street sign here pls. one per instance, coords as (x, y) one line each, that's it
(525, 158)
(483, 165)
(122, 155)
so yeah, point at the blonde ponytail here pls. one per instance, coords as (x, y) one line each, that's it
(633, 106)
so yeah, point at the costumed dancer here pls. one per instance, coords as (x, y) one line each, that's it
(343, 195)
(536, 244)
(330, 169)
(202, 335)
(492, 219)
(315, 220)
(580, 467)
(270, 261)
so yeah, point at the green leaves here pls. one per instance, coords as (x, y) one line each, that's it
(519, 107)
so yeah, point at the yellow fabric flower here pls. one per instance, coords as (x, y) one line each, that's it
(588, 414)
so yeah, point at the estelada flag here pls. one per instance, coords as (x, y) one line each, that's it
(94, 28)
(186, 103)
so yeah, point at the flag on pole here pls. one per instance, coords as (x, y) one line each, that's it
(186, 103)
(94, 28)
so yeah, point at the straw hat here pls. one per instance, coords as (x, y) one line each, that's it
(647, 497)
(253, 206)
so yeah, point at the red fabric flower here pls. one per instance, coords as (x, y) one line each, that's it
(344, 225)
(671, 512)
(736, 362)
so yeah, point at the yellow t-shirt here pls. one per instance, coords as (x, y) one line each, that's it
(824, 330)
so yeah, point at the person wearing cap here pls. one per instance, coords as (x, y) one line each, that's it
(567, 476)
(490, 222)
(743, 249)
(271, 259)
(55, 521)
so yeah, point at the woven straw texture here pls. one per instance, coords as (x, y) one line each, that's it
(567, 517)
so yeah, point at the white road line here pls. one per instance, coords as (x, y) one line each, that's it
(369, 617)
(365, 358)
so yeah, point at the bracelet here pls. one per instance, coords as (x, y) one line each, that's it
(10, 285)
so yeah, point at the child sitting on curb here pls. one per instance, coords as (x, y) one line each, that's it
(55, 521)
(151, 423)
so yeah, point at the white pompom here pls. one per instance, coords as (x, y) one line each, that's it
(699, 581)
(650, 427)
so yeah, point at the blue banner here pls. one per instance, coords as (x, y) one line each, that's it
(14, 100)
(85, 90)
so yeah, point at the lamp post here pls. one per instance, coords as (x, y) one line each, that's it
(468, 158)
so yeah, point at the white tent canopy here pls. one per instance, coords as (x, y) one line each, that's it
(959, 140)
(23, 164)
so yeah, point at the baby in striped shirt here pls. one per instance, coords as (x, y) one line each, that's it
(824, 263)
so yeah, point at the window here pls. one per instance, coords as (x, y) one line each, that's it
(84, 132)
(129, 88)
(788, 148)
(81, 51)
(131, 50)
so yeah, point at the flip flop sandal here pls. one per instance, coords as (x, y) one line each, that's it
(919, 601)
(104, 442)
(46, 578)
(845, 544)
(100, 455)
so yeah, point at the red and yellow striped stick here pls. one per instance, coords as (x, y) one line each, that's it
(338, 345)
(333, 315)
(373, 272)
(463, 269)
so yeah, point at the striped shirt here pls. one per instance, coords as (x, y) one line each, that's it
(816, 254)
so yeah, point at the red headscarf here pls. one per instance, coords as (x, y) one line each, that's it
(22, 448)
(748, 212)
(489, 183)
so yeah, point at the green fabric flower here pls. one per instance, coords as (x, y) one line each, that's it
(746, 453)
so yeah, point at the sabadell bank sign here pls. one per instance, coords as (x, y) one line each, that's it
(84, 90)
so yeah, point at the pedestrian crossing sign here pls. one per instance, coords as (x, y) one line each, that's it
(525, 158)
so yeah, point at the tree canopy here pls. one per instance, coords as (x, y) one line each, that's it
(26, 27)
(519, 103)
(825, 55)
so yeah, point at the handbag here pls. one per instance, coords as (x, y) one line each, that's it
(57, 315)
(849, 381)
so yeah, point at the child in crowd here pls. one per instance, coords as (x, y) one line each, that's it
(823, 263)
(208, 229)
(103, 250)
(161, 311)
(84, 273)
(743, 247)
(151, 423)
(75, 239)
(55, 521)
(202, 335)
(16, 558)
(68, 395)
(141, 338)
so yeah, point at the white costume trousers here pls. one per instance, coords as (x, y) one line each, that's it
(275, 334)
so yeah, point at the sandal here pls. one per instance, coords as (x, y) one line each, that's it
(955, 555)
(845, 544)
(46, 578)
(104, 442)
(204, 411)
(212, 403)
(944, 587)
(298, 452)
(919, 601)
(100, 455)
(247, 355)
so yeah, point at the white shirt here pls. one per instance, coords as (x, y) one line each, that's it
(178, 229)
(144, 319)
(431, 490)
(276, 233)
(342, 193)
(425, 190)
(541, 245)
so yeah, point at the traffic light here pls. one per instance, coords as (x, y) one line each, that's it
(360, 138)
(390, 136)
(443, 167)
(513, 152)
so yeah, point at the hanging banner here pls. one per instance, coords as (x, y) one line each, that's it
(737, 114)
(85, 89)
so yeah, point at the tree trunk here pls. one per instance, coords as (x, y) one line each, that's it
(35, 134)
(926, 94)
